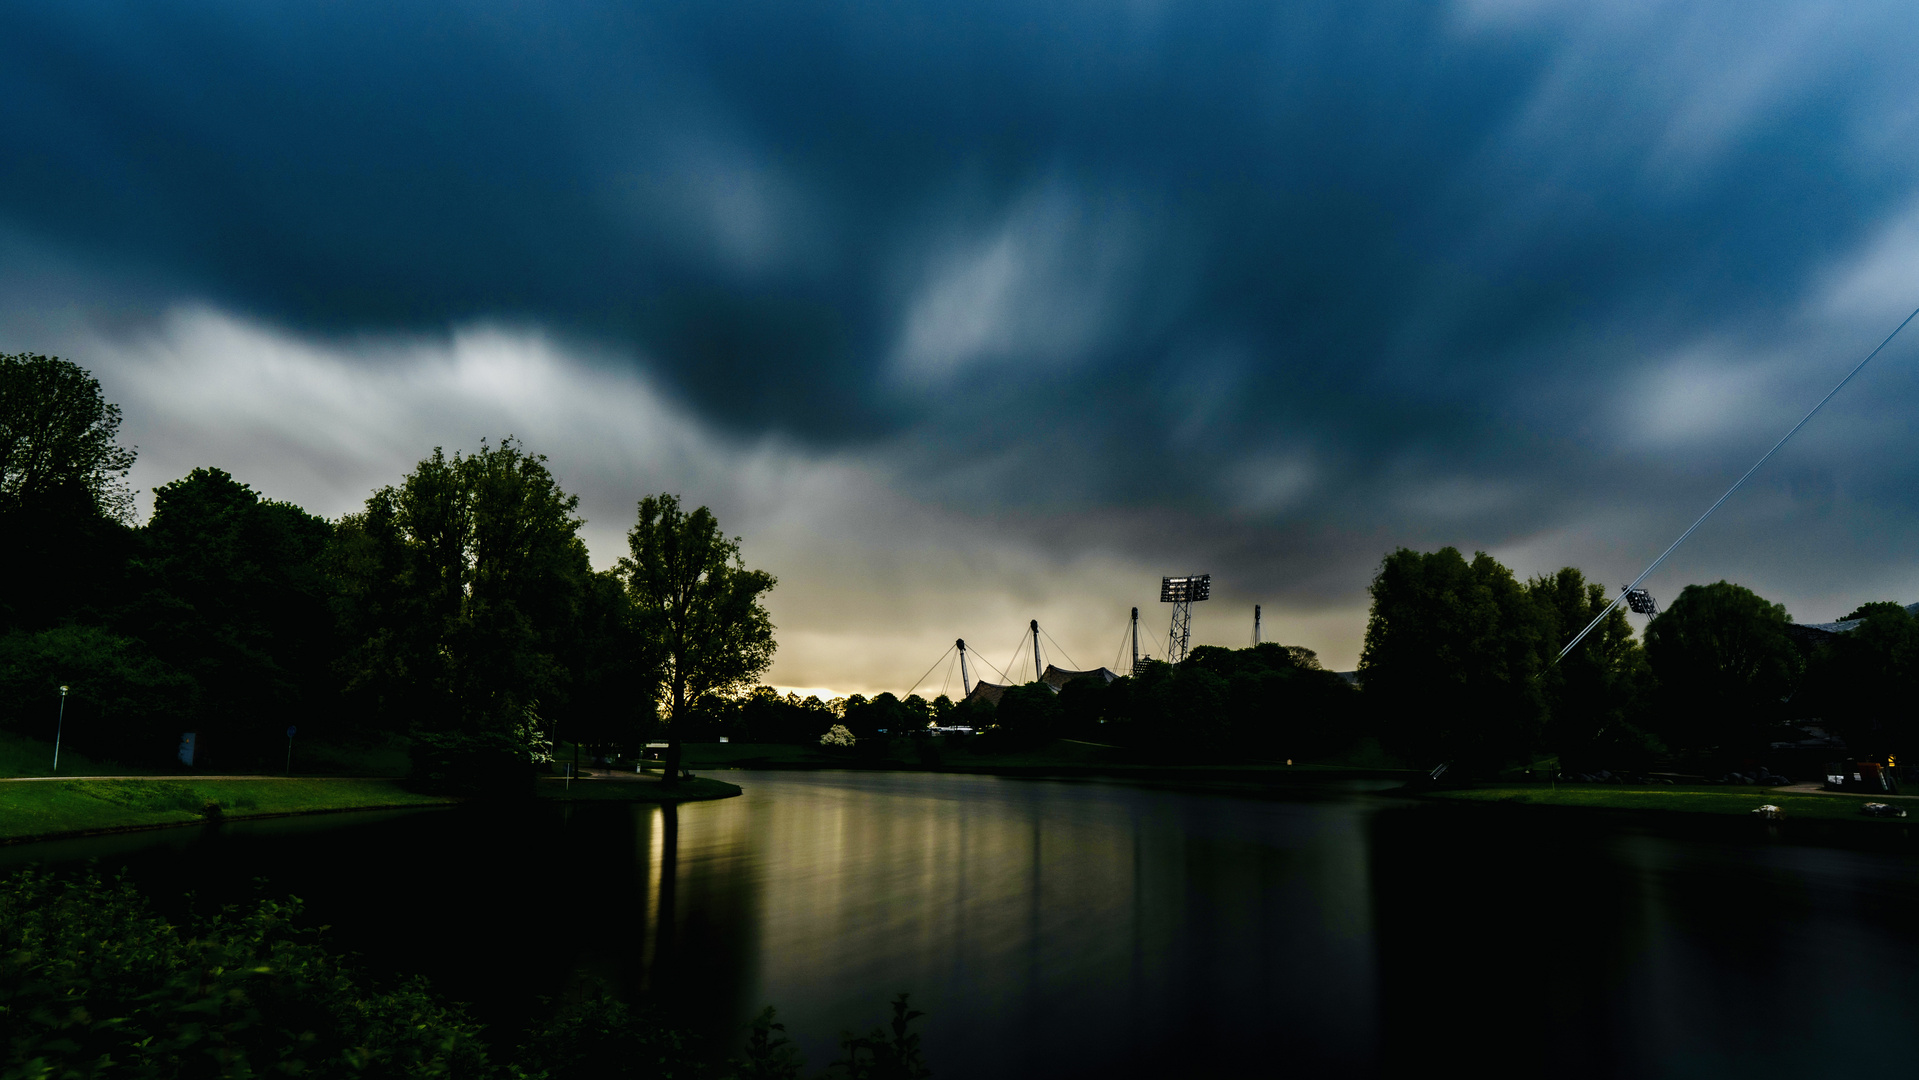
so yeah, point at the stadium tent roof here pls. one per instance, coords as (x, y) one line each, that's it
(991, 691)
(1054, 677)
(1058, 677)
(1813, 633)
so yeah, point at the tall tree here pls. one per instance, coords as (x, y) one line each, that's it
(1595, 695)
(460, 592)
(1450, 657)
(701, 605)
(229, 589)
(64, 502)
(1864, 681)
(1724, 665)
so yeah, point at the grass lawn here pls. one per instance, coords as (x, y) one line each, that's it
(698, 789)
(35, 808)
(1685, 800)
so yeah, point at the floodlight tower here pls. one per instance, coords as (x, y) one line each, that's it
(966, 684)
(1641, 602)
(1182, 593)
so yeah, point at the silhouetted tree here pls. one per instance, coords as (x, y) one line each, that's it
(1450, 657)
(64, 502)
(460, 592)
(1724, 665)
(700, 603)
(1863, 682)
(230, 590)
(1596, 695)
(1028, 714)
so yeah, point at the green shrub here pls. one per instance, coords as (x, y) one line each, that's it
(476, 766)
(603, 1038)
(93, 983)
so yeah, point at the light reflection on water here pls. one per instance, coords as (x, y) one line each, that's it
(1054, 922)
(1086, 929)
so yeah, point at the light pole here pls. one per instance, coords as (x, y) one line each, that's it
(61, 723)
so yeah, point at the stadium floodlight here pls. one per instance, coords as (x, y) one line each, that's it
(1641, 602)
(1181, 592)
(1175, 590)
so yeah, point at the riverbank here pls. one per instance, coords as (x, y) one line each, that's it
(1061, 759)
(1667, 799)
(1815, 817)
(52, 809)
(634, 789)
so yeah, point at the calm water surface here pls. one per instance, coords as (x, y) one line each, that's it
(1069, 929)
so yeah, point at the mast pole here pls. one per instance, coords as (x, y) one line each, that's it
(966, 683)
(1134, 670)
(1036, 669)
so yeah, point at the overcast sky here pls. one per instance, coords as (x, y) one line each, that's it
(961, 314)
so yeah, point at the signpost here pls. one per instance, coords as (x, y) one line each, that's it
(290, 730)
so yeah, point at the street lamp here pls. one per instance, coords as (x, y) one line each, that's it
(62, 722)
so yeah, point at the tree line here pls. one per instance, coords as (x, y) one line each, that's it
(1460, 663)
(457, 606)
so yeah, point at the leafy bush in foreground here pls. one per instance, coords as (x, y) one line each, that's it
(93, 984)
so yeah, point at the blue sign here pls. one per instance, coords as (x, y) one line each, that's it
(290, 730)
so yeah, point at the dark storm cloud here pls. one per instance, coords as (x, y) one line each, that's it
(1271, 288)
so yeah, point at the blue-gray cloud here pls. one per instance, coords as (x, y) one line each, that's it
(1270, 288)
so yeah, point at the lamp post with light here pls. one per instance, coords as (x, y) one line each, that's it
(61, 723)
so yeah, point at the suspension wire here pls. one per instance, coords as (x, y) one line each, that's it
(1013, 657)
(1061, 648)
(1153, 640)
(929, 671)
(982, 659)
(1123, 628)
(946, 679)
(1581, 636)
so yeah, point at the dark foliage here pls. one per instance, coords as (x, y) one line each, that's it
(93, 984)
(697, 600)
(1863, 683)
(1597, 695)
(765, 716)
(1450, 658)
(229, 591)
(601, 1037)
(883, 1055)
(486, 764)
(122, 701)
(64, 502)
(460, 592)
(1725, 666)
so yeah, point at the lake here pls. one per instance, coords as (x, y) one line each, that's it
(1089, 929)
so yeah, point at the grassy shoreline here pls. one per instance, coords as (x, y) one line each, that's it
(36, 809)
(1823, 819)
(1664, 799)
(33, 810)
